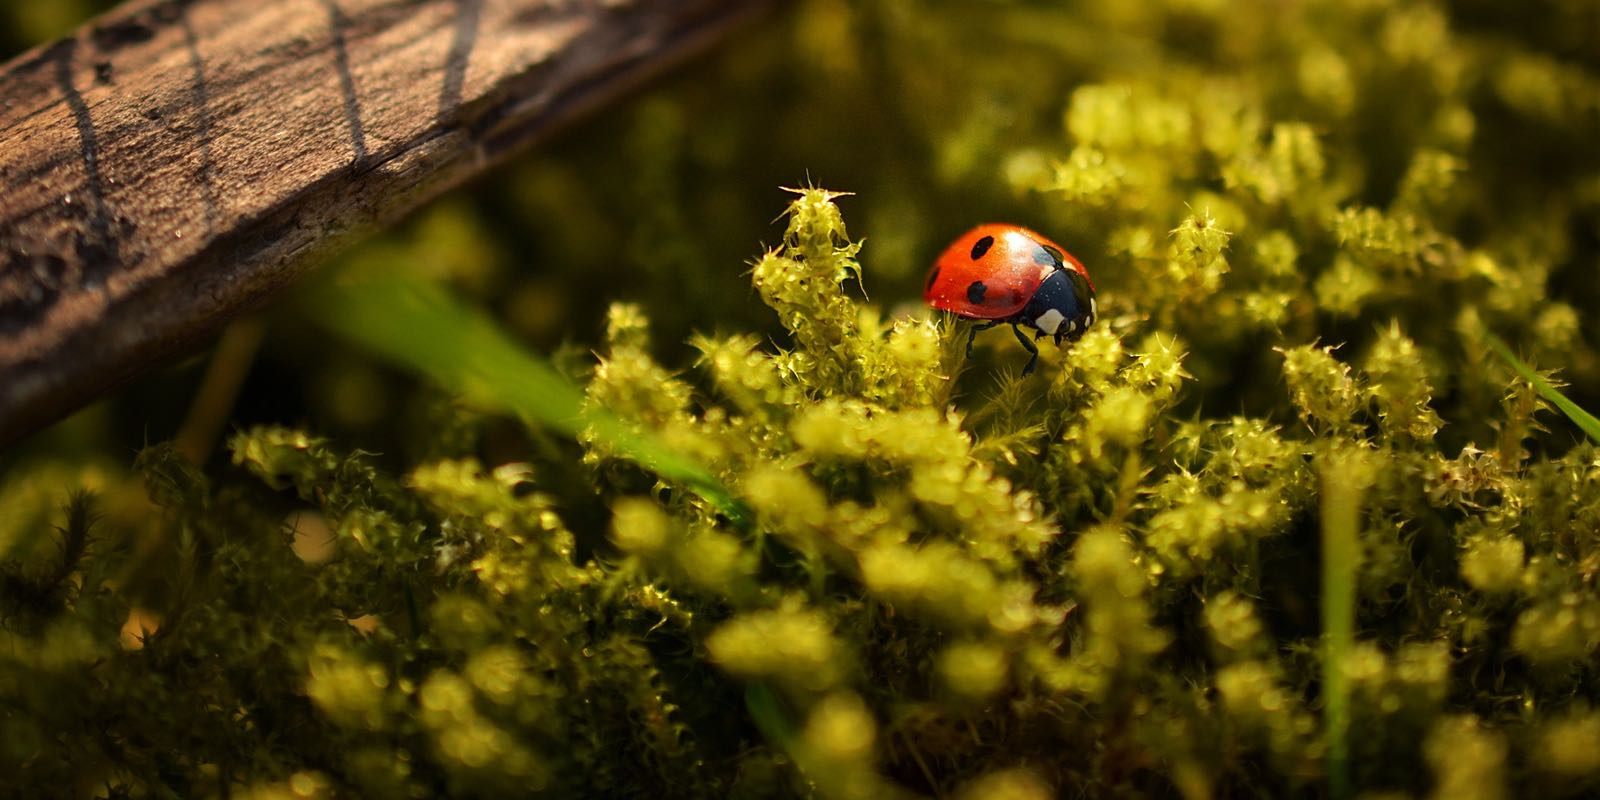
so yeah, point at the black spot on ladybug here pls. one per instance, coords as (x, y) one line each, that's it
(979, 248)
(976, 290)
(1047, 256)
(932, 276)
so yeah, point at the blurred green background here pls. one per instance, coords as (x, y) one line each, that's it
(665, 197)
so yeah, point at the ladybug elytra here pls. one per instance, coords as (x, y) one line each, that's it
(1009, 275)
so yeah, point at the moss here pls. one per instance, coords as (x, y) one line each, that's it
(1280, 523)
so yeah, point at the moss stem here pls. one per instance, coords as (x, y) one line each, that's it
(1344, 479)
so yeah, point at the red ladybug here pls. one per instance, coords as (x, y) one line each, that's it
(1006, 274)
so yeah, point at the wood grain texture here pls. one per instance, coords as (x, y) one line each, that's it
(175, 163)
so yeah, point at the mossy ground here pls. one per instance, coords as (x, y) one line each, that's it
(1282, 524)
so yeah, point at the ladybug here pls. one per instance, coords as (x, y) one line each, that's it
(1006, 274)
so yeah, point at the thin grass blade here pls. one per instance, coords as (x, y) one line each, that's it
(419, 326)
(1574, 412)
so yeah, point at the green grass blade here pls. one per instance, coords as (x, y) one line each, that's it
(419, 326)
(1574, 412)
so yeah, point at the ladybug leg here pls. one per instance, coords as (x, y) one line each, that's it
(1029, 346)
(972, 333)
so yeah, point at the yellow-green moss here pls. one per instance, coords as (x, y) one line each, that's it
(931, 576)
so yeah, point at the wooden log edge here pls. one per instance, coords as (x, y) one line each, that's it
(178, 162)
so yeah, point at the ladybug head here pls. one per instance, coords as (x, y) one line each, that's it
(1063, 307)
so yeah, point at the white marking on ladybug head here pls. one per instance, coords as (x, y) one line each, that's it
(1049, 321)
(1094, 310)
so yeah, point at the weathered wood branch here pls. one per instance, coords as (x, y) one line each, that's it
(178, 161)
